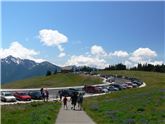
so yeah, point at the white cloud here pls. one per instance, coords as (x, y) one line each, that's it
(62, 55)
(17, 50)
(128, 63)
(60, 48)
(144, 52)
(52, 38)
(88, 61)
(135, 58)
(156, 62)
(142, 55)
(98, 51)
(119, 53)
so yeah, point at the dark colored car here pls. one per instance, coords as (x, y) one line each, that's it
(35, 94)
(137, 82)
(68, 92)
(112, 88)
(120, 87)
(22, 96)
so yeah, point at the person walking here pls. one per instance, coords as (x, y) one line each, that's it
(80, 101)
(42, 93)
(65, 102)
(47, 95)
(60, 94)
(74, 100)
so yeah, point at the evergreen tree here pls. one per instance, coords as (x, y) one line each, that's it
(48, 73)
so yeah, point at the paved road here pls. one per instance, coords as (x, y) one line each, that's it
(73, 116)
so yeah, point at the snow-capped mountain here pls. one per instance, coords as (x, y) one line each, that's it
(16, 69)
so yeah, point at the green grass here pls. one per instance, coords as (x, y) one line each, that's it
(32, 113)
(134, 106)
(58, 80)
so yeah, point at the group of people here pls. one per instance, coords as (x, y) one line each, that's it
(75, 99)
(45, 94)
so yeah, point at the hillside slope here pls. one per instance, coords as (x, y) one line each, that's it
(134, 106)
(57, 80)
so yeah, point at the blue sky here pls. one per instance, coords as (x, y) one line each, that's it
(95, 32)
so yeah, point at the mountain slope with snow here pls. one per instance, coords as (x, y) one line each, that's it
(13, 69)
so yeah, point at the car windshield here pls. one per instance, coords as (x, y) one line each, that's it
(22, 94)
(8, 94)
(36, 93)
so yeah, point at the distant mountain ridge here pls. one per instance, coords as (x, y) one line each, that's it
(13, 69)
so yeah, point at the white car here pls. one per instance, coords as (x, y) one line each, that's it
(7, 97)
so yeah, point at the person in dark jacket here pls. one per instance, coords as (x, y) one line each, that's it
(42, 93)
(74, 100)
(80, 101)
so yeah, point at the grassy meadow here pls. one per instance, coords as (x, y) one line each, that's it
(133, 106)
(31, 113)
(57, 80)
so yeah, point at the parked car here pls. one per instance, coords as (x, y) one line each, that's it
(137, 82)
(104, 89)
(134, 85)
(120, 87)
(22, 96)
(81, 91)
(125, 86)
(68, 92)
(131, 85)
(35, 94)
(92, 89)
(7, 97)
(112, 88)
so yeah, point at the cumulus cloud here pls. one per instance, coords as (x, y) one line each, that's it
(142, 54)
(98, 50)
(97, 57)
(128, 63)
(62, 55)
(53, 38)
(135, 59)
(17, 50)
(87, 61)
(119, 53)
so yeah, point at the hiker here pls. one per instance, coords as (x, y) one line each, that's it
(46, 94)
(60, 94)
(42, 93)
(65, 102)
(80, 101)
(74, 100)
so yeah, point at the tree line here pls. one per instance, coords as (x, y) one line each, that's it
(48, 73)
(149, 67)
(140, 67)
(120, 66)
